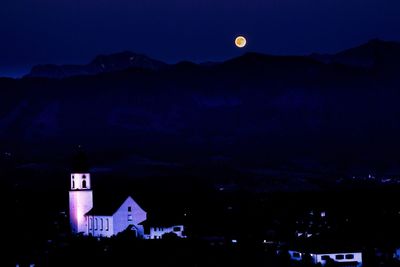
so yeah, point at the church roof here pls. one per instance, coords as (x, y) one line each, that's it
(107, 205)
(162, 219)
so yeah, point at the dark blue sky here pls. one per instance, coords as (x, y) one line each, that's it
(74, 31)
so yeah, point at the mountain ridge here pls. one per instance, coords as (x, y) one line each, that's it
(367, 55)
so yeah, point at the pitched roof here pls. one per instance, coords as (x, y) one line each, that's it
(106, 205)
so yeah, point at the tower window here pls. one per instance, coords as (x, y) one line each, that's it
(73, 184)
(129, 208)
(83, 184)
(83, 176)
(95, 224)
(130, 218)
(108, 225)
(101, 224)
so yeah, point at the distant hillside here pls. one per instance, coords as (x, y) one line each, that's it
(374, 54)
(257, 115)
(101, 64)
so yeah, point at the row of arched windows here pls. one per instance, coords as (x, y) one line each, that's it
(83, 184)
(99, 224)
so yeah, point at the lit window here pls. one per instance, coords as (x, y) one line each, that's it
(130, 218)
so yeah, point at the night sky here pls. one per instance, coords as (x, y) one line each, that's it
(74, 31)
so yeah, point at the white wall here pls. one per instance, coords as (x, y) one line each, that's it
(101, 226)
(80, 202)
(157, 232)
(122, 218)
(317, 258)
(293, 255)
(357, 257)
(76, 181)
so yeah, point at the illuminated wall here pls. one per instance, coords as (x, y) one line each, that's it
(80, 181)
(80, 202)
(343, 257)
(100, 225)
(129, 213)
(158, 232)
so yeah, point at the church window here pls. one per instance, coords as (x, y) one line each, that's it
(83, 184)
(73, 184)
(90, 223)
(108, 225)
(129, 208)
(95, 224)
(83, 176)
(101, 224)
(130, 218)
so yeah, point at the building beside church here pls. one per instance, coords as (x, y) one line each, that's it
(109, 219)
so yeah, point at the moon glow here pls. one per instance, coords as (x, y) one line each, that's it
(240, 41)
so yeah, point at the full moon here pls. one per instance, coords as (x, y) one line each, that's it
(240, 41)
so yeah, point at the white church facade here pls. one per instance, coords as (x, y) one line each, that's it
(88, 219)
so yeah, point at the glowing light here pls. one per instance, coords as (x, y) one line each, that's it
(240, 41)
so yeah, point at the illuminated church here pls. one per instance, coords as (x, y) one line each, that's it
(108, 219)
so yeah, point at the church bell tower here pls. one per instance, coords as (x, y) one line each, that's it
(80, 194)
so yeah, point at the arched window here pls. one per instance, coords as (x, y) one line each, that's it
(101, 224)
(90, 223)
(83, 176)
(108, 225)
(83, 183)
(73, 184)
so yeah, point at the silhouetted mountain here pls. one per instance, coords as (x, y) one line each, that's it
(101, 64)
(262, 116)
(374, 54)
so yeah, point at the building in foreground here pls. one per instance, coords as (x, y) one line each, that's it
(324, 252)
(109, 218)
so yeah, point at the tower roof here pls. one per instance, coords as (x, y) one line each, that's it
(80, 162)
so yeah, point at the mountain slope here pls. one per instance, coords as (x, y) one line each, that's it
(101, 64)
(250, 114)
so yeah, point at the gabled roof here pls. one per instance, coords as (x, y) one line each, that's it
(106, 205)
(163, 219)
